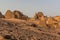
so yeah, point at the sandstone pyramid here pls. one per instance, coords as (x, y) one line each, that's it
(49, 20)
(9, 14)
(38, 15)
(20, 15)
(39, 19)
(1, 16)
(39, 27)
(57, 18)
(16, 15)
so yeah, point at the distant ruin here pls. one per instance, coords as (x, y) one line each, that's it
(39, 18)
(14, 25)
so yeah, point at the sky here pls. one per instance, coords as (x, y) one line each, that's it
(30, 7)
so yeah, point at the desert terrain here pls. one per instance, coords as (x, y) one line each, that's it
(14, 25)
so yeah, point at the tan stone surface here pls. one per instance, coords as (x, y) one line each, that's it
(9, 14)
(17, 26)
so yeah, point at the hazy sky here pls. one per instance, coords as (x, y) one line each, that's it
(29, 7)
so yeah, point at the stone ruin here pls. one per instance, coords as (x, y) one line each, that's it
(38, 27)
(15, 14)
(1, 16)
(39, 18)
